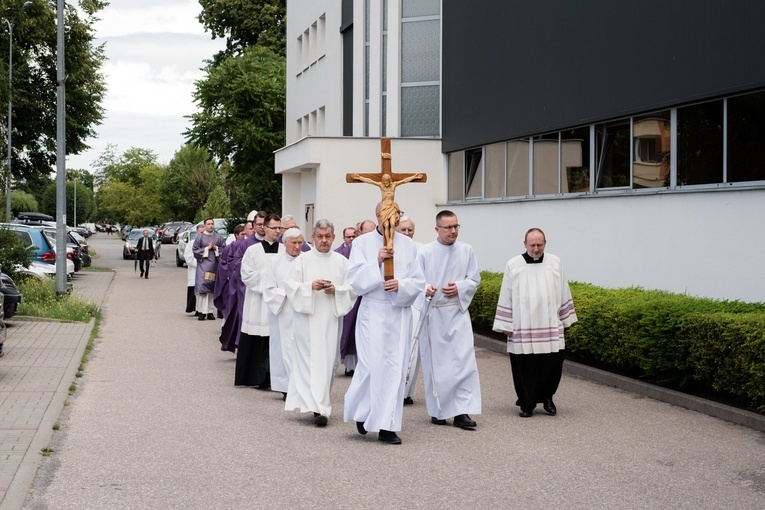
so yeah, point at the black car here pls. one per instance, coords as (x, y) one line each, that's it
(11, 295)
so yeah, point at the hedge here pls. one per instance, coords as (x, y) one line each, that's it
(670, 339)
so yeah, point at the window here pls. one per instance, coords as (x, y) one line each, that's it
(612, 155)
(746, 132)
(456, 176)
(545, 169)
(651, 150)
(575, 160)
(700, 144)
(517, 168)
(494, 171)
(474, 173)
(420, 68)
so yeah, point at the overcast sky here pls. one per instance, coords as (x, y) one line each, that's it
(155, 50)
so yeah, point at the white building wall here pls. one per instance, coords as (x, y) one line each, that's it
(314, 72)
(704, 244)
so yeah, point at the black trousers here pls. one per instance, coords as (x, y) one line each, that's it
(252, 365)
(144, 258)
(191, 299)
(536, 377)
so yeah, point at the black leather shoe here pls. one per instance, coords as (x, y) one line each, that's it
(201, 317)
(197, 314)
(360, 428)
(463, 421)
(349, 373)
(549, 407)
(147, 277)
(386, 436)
(141, 275)
(525, 412)
(320, 420)
(284, 396)
(210, 317)
(436, 421)
(408, 401)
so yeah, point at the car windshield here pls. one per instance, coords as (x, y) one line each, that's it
(138, 233)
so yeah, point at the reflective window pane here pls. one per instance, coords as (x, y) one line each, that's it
(746, 132)
(494, 169)
(575, 160)
(700, 144)
(545, 164)
(517, 168)
(612, 155)
(651, 136)
(456, 176)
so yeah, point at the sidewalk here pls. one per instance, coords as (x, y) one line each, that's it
(41, 360)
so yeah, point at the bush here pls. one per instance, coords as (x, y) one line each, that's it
(13, 252)
(670, 339)
(40, 300)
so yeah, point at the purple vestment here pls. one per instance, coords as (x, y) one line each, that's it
(348, 335)
(206, 265)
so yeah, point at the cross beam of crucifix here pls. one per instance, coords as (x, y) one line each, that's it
(387, 181)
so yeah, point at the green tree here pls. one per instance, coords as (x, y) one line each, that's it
(190, 178)
(242, 104)
(217, 205)
(86, 203)
(34, 82)
(246, 23)
(148, 204)
(22, 201)
(115, 201)
(82, 176)
(125, 167)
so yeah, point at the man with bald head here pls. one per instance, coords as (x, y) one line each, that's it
(375, 398)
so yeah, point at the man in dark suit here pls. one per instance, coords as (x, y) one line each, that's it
(144, 251)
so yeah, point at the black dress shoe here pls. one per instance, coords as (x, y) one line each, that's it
(549, 407)
(201, 317)
(147, 277)
(210, 317)
(408, 401)
(284, 396)
(360, 428)
(349, 373)
(525, 412)
(389, 437)
(320, 420)
(197, 314)
(436, 421)
(463, 421)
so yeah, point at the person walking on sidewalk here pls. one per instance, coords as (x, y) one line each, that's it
(145, 252)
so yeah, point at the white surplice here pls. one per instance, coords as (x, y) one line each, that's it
(383, 331)
(317, 323)
(446, 341)
(280, 319)
(254, 312)
(535, 305)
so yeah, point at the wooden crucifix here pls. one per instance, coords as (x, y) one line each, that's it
(387, 182)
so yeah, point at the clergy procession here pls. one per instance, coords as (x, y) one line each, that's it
(386, 307)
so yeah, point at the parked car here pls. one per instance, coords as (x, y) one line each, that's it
(185, 238)
(129, 249)
(169, 232)
(126, 232)
(12, 296)
(43, 271)
(34, 236)
(87, 260)
(2, 326)
(73, 251)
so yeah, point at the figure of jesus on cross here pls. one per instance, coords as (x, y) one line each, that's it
(387, 182)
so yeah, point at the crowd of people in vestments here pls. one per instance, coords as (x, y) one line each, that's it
(294, 309)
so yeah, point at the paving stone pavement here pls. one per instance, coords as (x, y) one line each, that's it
(157, 423)
(41, 360)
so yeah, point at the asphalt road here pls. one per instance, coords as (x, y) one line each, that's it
(157, 423)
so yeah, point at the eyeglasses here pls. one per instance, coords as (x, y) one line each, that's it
(450, 227)
(275, 228)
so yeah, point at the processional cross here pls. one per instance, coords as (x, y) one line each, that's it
(387, 182)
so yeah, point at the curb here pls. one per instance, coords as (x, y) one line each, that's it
(677, 398)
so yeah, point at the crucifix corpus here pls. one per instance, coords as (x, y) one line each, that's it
(387, 182)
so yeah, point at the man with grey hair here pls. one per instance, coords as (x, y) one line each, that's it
(280, 315)
(317, 288)
(288, 222)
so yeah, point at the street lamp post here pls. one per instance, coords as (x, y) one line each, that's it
(10, 24)
(60, 153)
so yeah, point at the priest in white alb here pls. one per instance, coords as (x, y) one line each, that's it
(252, 366)
(280, 316)
(375, 398)
(534, 307)
(449, 368)
(318, 290)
